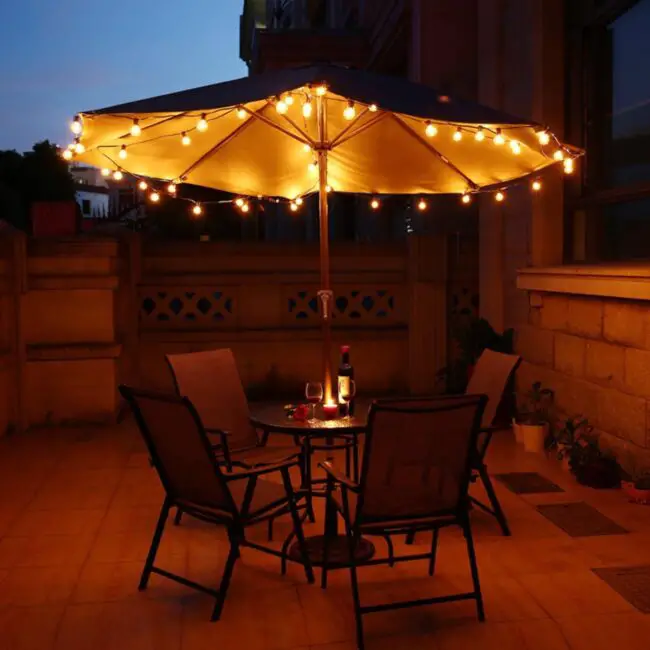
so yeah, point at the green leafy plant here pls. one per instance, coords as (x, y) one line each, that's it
(537, 405)
(572, 430)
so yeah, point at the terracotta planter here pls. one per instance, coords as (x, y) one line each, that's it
(516, 429)
(635, 495)
(534, 436)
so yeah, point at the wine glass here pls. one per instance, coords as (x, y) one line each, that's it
(347, 391)
(314, 394)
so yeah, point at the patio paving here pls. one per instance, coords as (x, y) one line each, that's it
(77, 510)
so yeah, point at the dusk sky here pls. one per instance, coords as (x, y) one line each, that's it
(59, 57)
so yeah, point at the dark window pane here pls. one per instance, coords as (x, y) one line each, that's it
(85, 207)
(626, 230)
(630, 116)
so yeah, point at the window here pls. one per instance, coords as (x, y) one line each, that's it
(85, 207)
(609, 97)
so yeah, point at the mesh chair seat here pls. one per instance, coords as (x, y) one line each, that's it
(264, 455)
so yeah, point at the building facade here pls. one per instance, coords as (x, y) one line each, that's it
(568, 269)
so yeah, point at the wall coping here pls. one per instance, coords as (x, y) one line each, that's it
(627, 281)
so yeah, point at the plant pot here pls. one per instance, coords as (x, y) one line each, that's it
(601, 475)
(534, 436)
(516, 429)
(636, 495)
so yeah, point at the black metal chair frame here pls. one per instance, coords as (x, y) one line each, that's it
(408, 525)
(235, 520)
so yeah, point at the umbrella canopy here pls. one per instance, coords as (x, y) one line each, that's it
(260, 135)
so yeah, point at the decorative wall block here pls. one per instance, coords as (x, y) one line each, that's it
(187, 309)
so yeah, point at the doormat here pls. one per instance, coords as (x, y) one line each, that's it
(527, 483)
(632, 583)
(580, 520)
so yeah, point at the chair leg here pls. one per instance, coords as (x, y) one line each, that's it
(355, 591)
(297, 526)
(355, 459)
(178, 517)
(467, 531)
(225, 579)
(155, 543)
(410, 537)
(391, 551)
(434, 550)
(327, 537)
(494, 501)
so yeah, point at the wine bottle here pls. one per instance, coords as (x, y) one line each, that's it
(346, 373)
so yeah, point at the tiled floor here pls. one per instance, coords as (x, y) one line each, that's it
(77, 509)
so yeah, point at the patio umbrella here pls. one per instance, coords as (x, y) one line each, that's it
(289, 133)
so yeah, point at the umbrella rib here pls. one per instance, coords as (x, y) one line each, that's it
(273, 125)
(302, 133)
(434, 151)
(349, 126)
(339, 140)
(222, 143)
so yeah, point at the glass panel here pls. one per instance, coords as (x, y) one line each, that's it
(630, 118)
(626, 230)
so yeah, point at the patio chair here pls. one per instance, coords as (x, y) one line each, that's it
(195, 484)
(491, 377)
(415, 476)
(210, 379)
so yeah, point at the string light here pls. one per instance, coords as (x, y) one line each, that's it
(373, 108)
(307, 108)
(197, 210)
(123, 154)
(293, 206)
(350, 111)
(431, 130)
(328, 188)
(288, 99)
(154, 197)
(499, 197)
(479, 135)
(76, 126)
(79, 148)
(171, 188)
(106, 172)
(306, 148)
(67, 154)
(142, 185)
(374, 204)
(499, 139)
(466, 198)
(118, 175)
(239, 202)
(515, 147)
(422, 205)
(299, 201)
(569, 167)
(458, 135)
(321, 90)
(245, 208)
(281, 107)
(135, 128)
(558, 155)
(186, 141)
(536, 185)
(202, 124)
(313, 167)
(543, 137)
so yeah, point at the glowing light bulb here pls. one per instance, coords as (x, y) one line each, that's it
(197, 210)
(536, 186)
(202, 124)
(321, 90)
(373, 108)
(306, 148)
(293, 206)
(239, 202)
(458, 135)
(515, 147)
(313, 167)
(328, 188)
(569, 166)
(281, 107)
(288, 99)
(374, 204)
(123, 154)
(135, 129)
(76, 126)
(142, 185)
(479, 136)
(431, 130)
(499, 196)
(79, 147)
(422, 205)
(118, 175)
(499, 139)
(67, 154)
(241, 113)
(106, 172)
(186, 141)
(307, 108)
(245, 208)
(171, 188)
(543, 137)
(350, 111)
(466, 199)
(154, 197)
(558, 155)
(299, 201)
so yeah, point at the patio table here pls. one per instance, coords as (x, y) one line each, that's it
(272, 418)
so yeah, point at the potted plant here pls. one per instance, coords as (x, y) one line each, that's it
(591, 465)
(636, 482)
(564, 440)
(532, 422)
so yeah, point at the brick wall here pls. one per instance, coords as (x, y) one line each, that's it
(595, 354)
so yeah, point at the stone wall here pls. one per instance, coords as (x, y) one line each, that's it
(595, 354)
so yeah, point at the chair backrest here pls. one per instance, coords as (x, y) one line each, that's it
(490, 377)
(179, 449)
(417, 457)
(210, 379)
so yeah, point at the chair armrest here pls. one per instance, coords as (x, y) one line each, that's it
(338, 476)
(237, 474)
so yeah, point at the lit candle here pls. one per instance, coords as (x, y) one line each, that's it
(330, 411)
